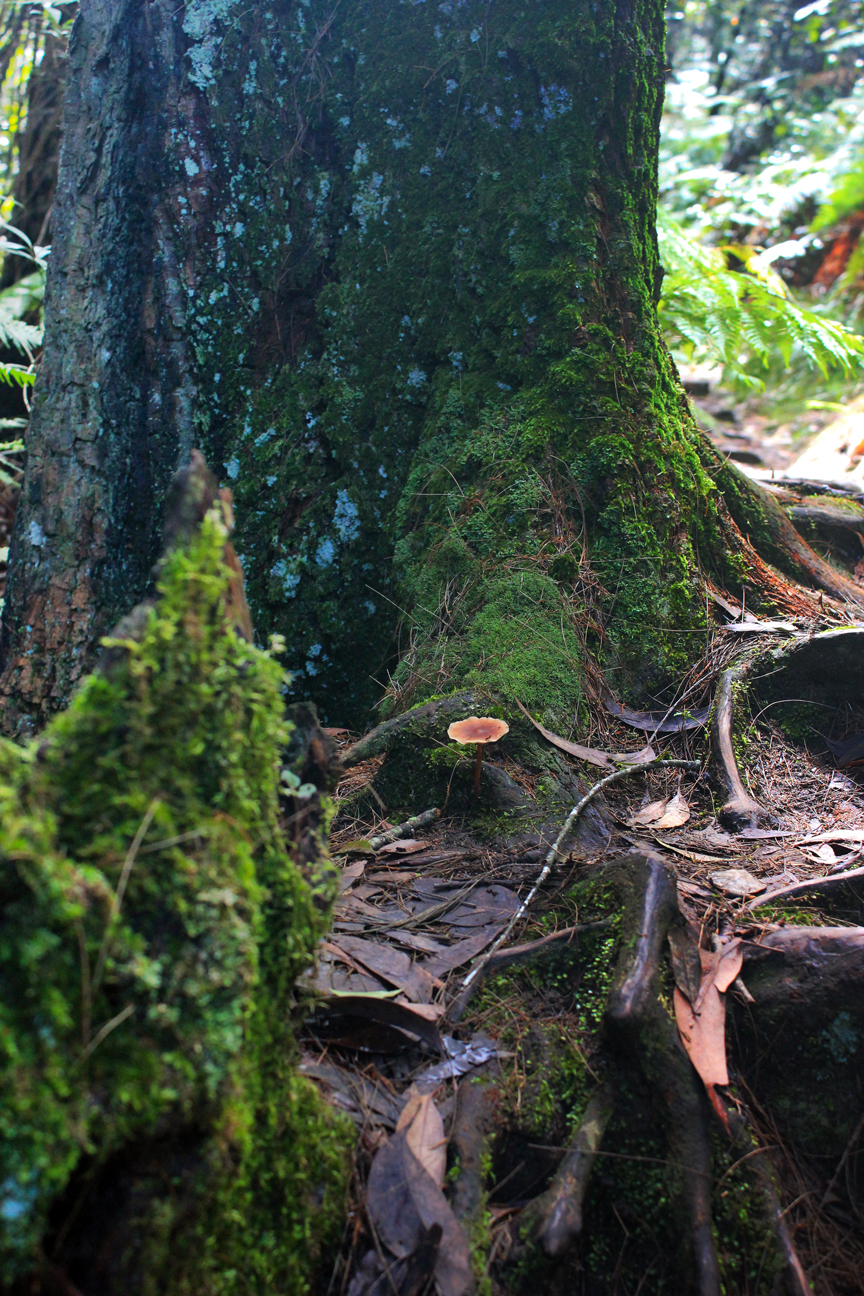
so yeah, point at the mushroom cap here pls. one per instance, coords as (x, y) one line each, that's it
(478, 729)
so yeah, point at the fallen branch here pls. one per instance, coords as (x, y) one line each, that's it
(739, 810)
(403, 829)
(520, 953)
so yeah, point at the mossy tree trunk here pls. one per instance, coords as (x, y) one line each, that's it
(393, 266)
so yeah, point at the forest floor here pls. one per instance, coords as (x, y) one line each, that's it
(417, 912)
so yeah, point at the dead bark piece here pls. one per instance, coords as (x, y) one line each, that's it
(740, 810)
(477, 1101)
(558, 1212)
(641, 1031)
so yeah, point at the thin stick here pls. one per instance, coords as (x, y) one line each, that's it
(856, 1134)
(118, 897)
(555, 850)
(106, 1031)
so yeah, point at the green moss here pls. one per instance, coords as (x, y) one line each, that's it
(428, 331)
(153, 925)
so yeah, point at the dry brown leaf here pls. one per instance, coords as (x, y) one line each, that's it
(677, 812)
(402, 1200)
(737, 882)
(728, 965)
(648, 814)
(352, 873)
(405, 846)
(424, 1134)
(603, 759)
(702, 1026)
(392, 965)
(703, 1034)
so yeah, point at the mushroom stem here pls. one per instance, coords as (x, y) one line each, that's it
(477, 769)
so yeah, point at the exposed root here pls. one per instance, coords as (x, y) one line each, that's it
(557, 1213)
(771, 537)
(640, 1029)
(740, 810)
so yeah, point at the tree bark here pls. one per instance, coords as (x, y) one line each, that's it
(394, 268)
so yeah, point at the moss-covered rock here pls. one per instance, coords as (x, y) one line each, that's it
(153, 924)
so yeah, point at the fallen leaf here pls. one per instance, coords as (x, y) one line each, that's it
(686, 965)
(728, 965)
(677, 812)
(702, 1025)
(847, 751)
(352, 873)
(463, 951)
(405, 846)
(658, 721)
(381, 1009)
(424, 1133)
(648, 814)
(336, 733)
(358, 846)
(402, 1201)
(591, 754)
(392, 965)
(703, 1034)
(737, 882)
(838, 835)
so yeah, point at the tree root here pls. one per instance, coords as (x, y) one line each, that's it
(740, 810)
(471, 1137)
(815, 969)
(556, 1216)
(639, 1028)
(767, 533)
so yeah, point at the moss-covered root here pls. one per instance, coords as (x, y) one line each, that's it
(746, 1146)
(643, 1032)
(556, 1216)
(154, 1134)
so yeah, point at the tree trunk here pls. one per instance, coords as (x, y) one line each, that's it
(394, 268)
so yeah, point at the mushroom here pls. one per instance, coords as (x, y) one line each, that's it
(479, 730)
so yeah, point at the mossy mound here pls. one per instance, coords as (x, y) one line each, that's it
(153, 925)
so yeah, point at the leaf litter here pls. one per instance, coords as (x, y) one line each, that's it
(443, 922)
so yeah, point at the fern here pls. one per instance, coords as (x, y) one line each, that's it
(741, 320)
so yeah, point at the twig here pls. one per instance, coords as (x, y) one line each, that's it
(106, 1030)
(555, 850)
(841, 1165)
(118, 898)
(402, 830)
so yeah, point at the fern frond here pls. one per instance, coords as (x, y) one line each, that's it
(739, 320)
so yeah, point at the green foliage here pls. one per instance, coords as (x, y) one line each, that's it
(153, 925)
(741, 319)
